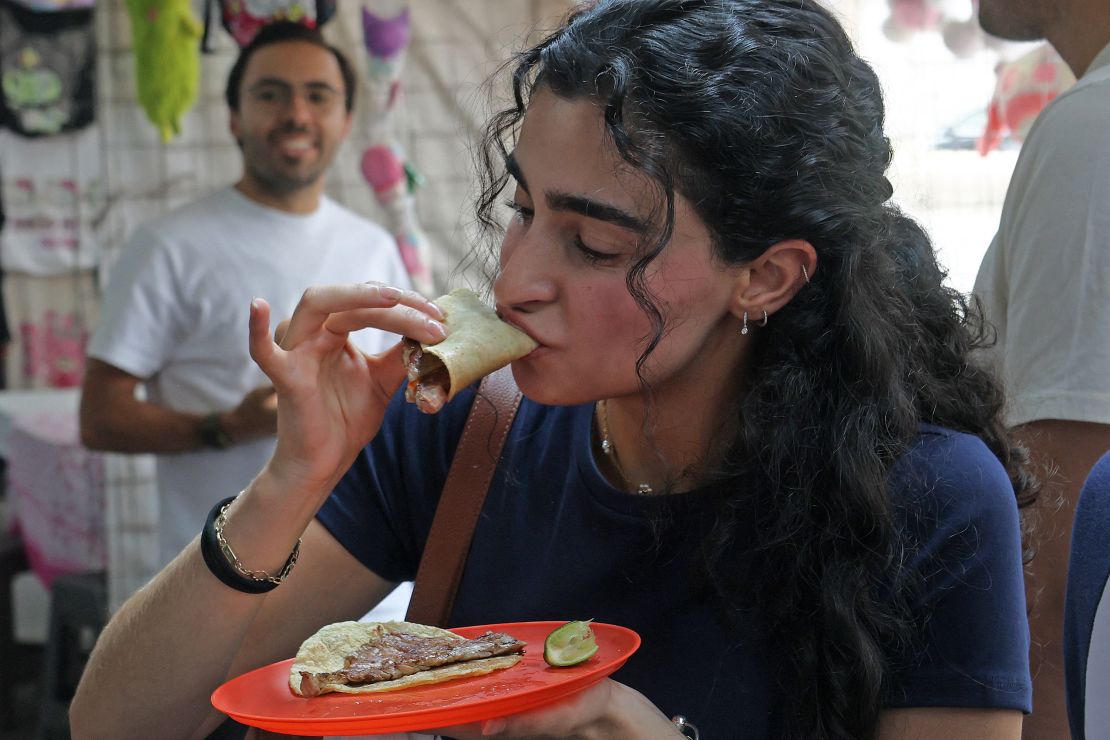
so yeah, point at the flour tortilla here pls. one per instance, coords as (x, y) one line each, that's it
(324, 653)
(478, 342)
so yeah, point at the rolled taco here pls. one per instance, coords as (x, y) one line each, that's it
(478, 342)
(371, 657)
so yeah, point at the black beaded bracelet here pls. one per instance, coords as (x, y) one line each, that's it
(223, 563)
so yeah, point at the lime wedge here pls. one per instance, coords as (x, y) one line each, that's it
(570, 644)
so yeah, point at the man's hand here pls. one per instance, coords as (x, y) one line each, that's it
(113, 419)
(254, 417)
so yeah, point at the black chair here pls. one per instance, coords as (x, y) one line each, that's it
(78, 612)
(14, 656)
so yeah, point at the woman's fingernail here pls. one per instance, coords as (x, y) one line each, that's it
(390, 293)
(439, 311)
(493, 726)
(437, 328)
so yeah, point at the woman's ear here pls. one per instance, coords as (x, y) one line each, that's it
(768, 282)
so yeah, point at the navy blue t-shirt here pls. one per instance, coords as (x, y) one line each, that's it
(1088, 575)
(556, 542)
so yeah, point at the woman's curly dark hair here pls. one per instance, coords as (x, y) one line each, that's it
(760, 113)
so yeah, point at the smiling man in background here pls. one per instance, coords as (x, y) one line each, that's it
(174, 316)
(1045, 285)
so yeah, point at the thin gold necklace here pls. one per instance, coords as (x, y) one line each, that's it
(610, 450)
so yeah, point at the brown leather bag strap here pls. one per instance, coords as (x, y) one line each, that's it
(460, 504)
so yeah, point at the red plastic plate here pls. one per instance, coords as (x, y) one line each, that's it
(261, 698)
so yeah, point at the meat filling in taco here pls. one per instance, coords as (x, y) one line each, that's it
(428, 378)
(367, 657)
(478, 342)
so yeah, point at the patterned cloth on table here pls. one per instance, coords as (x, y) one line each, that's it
(57, 489)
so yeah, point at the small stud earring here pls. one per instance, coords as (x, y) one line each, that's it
(744, 326)
(764, 322)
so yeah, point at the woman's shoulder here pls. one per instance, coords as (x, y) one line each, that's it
(962, 575)
(934, 440)
(951, 472)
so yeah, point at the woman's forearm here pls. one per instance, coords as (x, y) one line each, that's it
(161, 655)
(173, 642)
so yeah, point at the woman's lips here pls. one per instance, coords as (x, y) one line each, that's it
(506, 316)
(539, 343)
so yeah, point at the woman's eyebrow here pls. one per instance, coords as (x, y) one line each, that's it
(589, 208)
(513, 168)
(560, 201)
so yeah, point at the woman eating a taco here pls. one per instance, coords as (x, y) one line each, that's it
(752, 428)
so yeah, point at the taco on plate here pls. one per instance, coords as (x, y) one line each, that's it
(370, 657)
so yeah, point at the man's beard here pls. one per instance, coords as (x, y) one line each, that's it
(265, 168)
(280, 183)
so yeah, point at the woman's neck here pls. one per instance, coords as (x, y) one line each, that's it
(672, 442)
(675, 458)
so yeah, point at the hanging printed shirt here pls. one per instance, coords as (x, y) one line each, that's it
(53, 193)
(46, 69)
(243, 18)
(52, 6)
(386, 40)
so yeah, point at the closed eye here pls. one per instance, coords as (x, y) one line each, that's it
(521, 213)
(592, 255)
(524, 215)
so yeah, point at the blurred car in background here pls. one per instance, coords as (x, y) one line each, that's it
(966, 131)
(954, 191)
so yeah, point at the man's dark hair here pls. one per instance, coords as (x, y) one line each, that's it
(276, 33)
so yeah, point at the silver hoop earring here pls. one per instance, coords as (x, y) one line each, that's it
(764, 322)
(744, 326)
(805, 274)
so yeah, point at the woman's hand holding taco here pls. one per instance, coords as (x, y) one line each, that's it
(331, 396)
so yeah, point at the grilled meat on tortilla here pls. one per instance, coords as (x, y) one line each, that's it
(478, 342)
(369, 657)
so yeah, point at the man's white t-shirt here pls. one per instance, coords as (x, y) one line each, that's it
(175, 314)
(1045, 280)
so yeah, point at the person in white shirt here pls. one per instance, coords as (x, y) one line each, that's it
(1045, 286)
(174, 316)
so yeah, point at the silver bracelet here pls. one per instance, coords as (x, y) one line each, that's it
(686, 727)
(233, 560)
